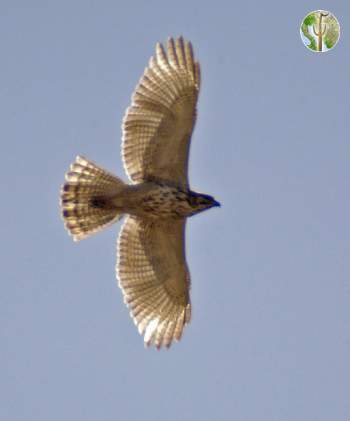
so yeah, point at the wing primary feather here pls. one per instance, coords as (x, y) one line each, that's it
(189, 59)
(169, 333)
(162, 59)
(165, 311)
(197, 73)
(180, 323)
(172, 53)
(180, 52)
(188, 313)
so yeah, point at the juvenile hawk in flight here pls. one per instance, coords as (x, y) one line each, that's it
(151, 263)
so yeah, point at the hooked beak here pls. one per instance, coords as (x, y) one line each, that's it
(215, 203)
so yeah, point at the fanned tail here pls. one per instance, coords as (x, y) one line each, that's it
(85, 198)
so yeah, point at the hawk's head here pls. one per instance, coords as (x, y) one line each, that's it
(200, 202)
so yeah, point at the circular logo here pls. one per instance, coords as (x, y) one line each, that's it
(320, 31)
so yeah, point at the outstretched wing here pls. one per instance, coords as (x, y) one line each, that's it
(157, 127)
(154, 278)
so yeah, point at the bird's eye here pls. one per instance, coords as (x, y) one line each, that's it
(193, 201)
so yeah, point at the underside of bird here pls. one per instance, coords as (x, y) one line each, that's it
(151, 265)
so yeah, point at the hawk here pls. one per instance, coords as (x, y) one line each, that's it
(151, 263)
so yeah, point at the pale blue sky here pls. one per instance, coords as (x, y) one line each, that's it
(270, 335)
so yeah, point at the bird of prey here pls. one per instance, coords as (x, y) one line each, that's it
(151, 263)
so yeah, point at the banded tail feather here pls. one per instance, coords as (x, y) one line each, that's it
(86, 198)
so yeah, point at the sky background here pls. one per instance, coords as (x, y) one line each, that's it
(270, 334)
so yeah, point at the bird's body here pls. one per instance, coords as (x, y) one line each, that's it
(151, 263)
(155, 201)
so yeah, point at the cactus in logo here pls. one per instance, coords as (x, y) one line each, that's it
(321, 30)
